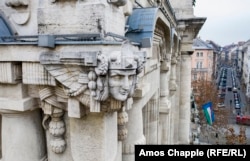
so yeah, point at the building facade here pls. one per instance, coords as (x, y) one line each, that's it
(89, 79)
(245, 68)
(216, 57)
(202, 61)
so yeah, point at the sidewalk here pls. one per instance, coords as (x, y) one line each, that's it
(210, 136)
(244, 106)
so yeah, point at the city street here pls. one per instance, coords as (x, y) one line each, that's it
(229, 100)
(209, 135)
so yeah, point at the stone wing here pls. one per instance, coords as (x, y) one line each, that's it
(70, 69)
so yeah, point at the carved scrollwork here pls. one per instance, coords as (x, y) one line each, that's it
(118, 2)
(56, 126)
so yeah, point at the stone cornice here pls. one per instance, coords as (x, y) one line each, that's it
(186, 26)
(189, 28)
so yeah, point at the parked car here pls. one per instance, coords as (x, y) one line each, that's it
(221, 95)
(229, 88)
(243, 119)
(237, 106)
(220, 105)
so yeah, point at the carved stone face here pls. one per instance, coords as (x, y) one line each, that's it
(121, 83)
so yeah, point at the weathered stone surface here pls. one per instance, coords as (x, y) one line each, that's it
(10, 72)
(98, 95)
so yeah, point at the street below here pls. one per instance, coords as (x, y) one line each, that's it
(233, 101)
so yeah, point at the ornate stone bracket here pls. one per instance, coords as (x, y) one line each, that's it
(173, 85)
(90, 71)
(55, 110)
(92, 76)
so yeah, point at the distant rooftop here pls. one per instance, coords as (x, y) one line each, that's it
(200, 44)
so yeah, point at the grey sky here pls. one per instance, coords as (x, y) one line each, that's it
(228, 21)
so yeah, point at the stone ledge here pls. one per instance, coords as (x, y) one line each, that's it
(18, 105)
(141, 91)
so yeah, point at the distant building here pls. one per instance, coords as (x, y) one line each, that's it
(202, 61)
(246, 69)
(216, 57)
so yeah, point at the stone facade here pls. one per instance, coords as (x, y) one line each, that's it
(202, 61)
(89, 79)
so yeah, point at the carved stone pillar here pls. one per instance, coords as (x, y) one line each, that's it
(164, 104)
(185, 86)
(173, 85)
(173, 88)
(175, 111)
(150, 120)
(94, 137)
(164, 135)
(56, 126)
(135, 134)
(22, 132)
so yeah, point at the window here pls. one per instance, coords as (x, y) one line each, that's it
(195, 77)
(199, 54)
(198, 65)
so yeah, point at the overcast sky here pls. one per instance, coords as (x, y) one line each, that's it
(228, 21)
